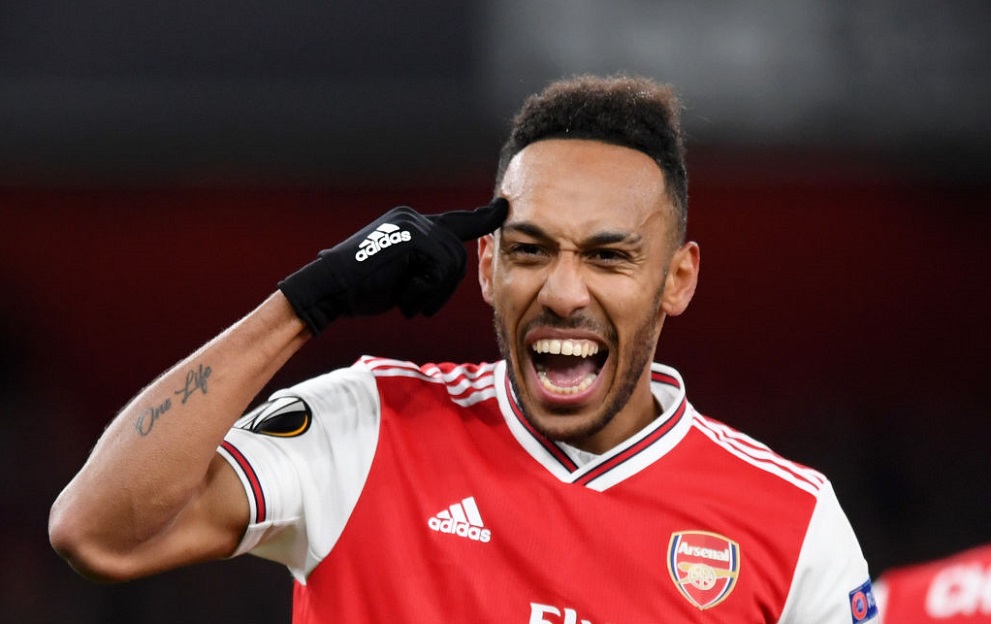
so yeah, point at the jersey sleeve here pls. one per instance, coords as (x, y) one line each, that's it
(303, 457)
(831, 584)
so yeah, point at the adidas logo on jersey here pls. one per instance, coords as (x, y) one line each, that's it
(461, 519)
(381, 237)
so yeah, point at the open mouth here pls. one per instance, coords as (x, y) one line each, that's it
(567, 366)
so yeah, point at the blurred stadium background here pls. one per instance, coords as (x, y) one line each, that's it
(163, 165)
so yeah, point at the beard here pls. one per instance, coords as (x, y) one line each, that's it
(638, 354)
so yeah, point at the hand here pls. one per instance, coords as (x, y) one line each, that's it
(402, 259)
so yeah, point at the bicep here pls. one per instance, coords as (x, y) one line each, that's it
(215, 519)
(208, 527)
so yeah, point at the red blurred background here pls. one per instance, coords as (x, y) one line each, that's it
(842, 318)
(162, 167)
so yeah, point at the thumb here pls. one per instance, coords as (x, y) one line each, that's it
(471, 224)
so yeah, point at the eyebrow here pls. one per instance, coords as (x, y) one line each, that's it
(600, 238)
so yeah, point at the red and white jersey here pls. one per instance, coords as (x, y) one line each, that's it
(953, 590)
(403, 493)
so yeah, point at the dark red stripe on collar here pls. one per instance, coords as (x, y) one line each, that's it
(558, 454)
(635, 449)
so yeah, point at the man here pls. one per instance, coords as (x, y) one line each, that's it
(570, 482)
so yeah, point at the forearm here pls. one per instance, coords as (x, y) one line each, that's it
(154, 457)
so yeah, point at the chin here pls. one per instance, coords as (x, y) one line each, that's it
(567, 427)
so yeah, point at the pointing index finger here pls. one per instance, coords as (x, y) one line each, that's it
(471, 224)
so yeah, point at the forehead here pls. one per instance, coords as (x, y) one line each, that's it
(577, 184)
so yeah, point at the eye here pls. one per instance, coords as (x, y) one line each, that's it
(607, 256)
(526, 252)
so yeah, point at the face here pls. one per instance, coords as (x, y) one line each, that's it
(580, 277)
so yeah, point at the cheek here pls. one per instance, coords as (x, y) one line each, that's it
(513, 290)
(630, 306)
(508, 310)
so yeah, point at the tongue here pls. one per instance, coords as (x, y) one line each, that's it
(566, 371)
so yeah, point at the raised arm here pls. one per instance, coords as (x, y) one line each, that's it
(154, 494)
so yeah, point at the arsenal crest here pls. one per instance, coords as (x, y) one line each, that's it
(704, 566)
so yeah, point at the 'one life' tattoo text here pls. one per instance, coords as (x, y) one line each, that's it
(196, 379)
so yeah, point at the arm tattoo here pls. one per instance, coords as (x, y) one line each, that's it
(196, 379)
(148, 417)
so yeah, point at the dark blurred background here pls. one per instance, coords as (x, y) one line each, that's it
(163, 165)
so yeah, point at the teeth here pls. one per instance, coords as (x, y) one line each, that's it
(582, 385)
(575, 348)
(580, 348)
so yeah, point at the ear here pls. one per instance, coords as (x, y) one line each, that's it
(486, 257)
(683, 276)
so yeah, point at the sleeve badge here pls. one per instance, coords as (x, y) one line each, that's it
(863, 605)
(285, 417)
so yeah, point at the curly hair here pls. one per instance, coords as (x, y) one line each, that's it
(629, 111)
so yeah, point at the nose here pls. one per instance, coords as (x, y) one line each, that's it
(564, 290)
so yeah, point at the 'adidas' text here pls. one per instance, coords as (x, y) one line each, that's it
(381, 237)
(461, 519)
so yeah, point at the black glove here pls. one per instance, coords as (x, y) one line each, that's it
(402, 259)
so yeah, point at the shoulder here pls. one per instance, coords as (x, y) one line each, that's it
(444, 372)
(756, 459)
(463, 384)
(370, 371)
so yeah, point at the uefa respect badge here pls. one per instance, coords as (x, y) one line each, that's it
(704, 566)
(863, 605)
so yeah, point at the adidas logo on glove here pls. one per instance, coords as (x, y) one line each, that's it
(381, 237)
